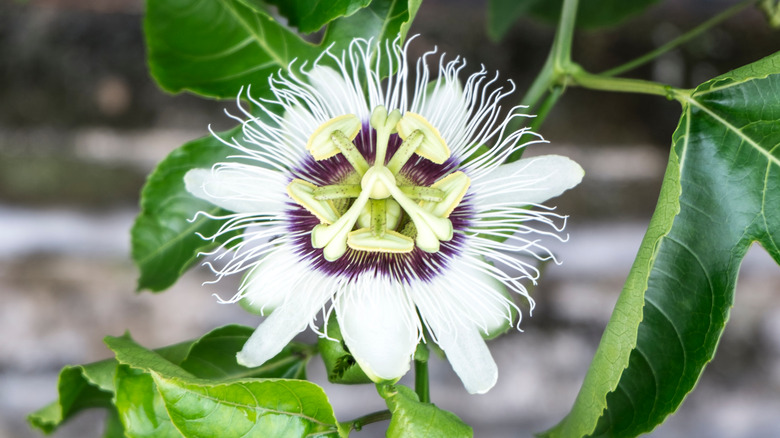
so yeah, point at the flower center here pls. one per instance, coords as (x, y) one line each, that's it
(381, 213)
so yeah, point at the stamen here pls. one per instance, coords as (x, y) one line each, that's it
(422, 193)
(333, 238)
(336, 191)
(453, 187)
(405, 151)
(302, 192)
(392, 241)
(321, 144)
(350, 152)
(433, 146)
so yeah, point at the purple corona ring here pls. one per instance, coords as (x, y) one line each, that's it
(389, 201)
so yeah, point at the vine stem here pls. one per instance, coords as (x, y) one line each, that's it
(359, 422)
(564, 36)
(696, 31)
(421, 386)
(579, 77)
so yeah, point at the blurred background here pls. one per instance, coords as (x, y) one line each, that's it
(82, 124)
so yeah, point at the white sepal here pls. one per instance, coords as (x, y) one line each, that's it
(380, 327)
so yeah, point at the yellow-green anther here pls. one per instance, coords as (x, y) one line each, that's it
(384, 124)
(337, 191)
(405, 151)
(433, 146)
(378, 217)
(321, 145)
(392, 242)
(349, 151)
(454, 187)
(333, 238)
(422, 193)
(302, 192)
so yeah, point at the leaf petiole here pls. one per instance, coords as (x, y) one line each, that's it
(348, 426)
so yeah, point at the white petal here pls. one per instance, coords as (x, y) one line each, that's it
(298, 310)
(462, 307)
(469, 356)
(241, 189)
(444, 107)
(265, 287)
(528, 181)
(339, 94)
(380, 327)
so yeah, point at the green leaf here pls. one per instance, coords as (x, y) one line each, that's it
(720, 194)
(79, 387)
(413, 419)
(381, 20)
(247, 408)
(340, 365)
(164, 241)
(214, 357)
(214, 48)
(140, 406)
(309, 16)
(128, 352)
(502, 14)
(114, 427)
(128, 391)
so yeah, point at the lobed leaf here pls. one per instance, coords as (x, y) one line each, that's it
(79, 387)
(164, 239)
(414, 419)
(213, 48)
(381, 20)
(214, 357)
(309, 16)
(247, 408)
(720, 194)
(125, 386)
(140, 407)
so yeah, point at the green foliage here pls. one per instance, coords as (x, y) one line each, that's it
(414, 419)
(721, 193)
(309, 16)
(80, 387)
(502, 14)
(340, 365)
(126, 387)
(165, 241)
(247, 408)
(216, 47)
(381, 20)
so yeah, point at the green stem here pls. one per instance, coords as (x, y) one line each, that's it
(579, 77)
(565, 35)
(359, 422)
(696, 31)
(421, 386)
(540, 85)
(546, 106)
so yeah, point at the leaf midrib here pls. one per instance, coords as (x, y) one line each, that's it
(732, 128)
